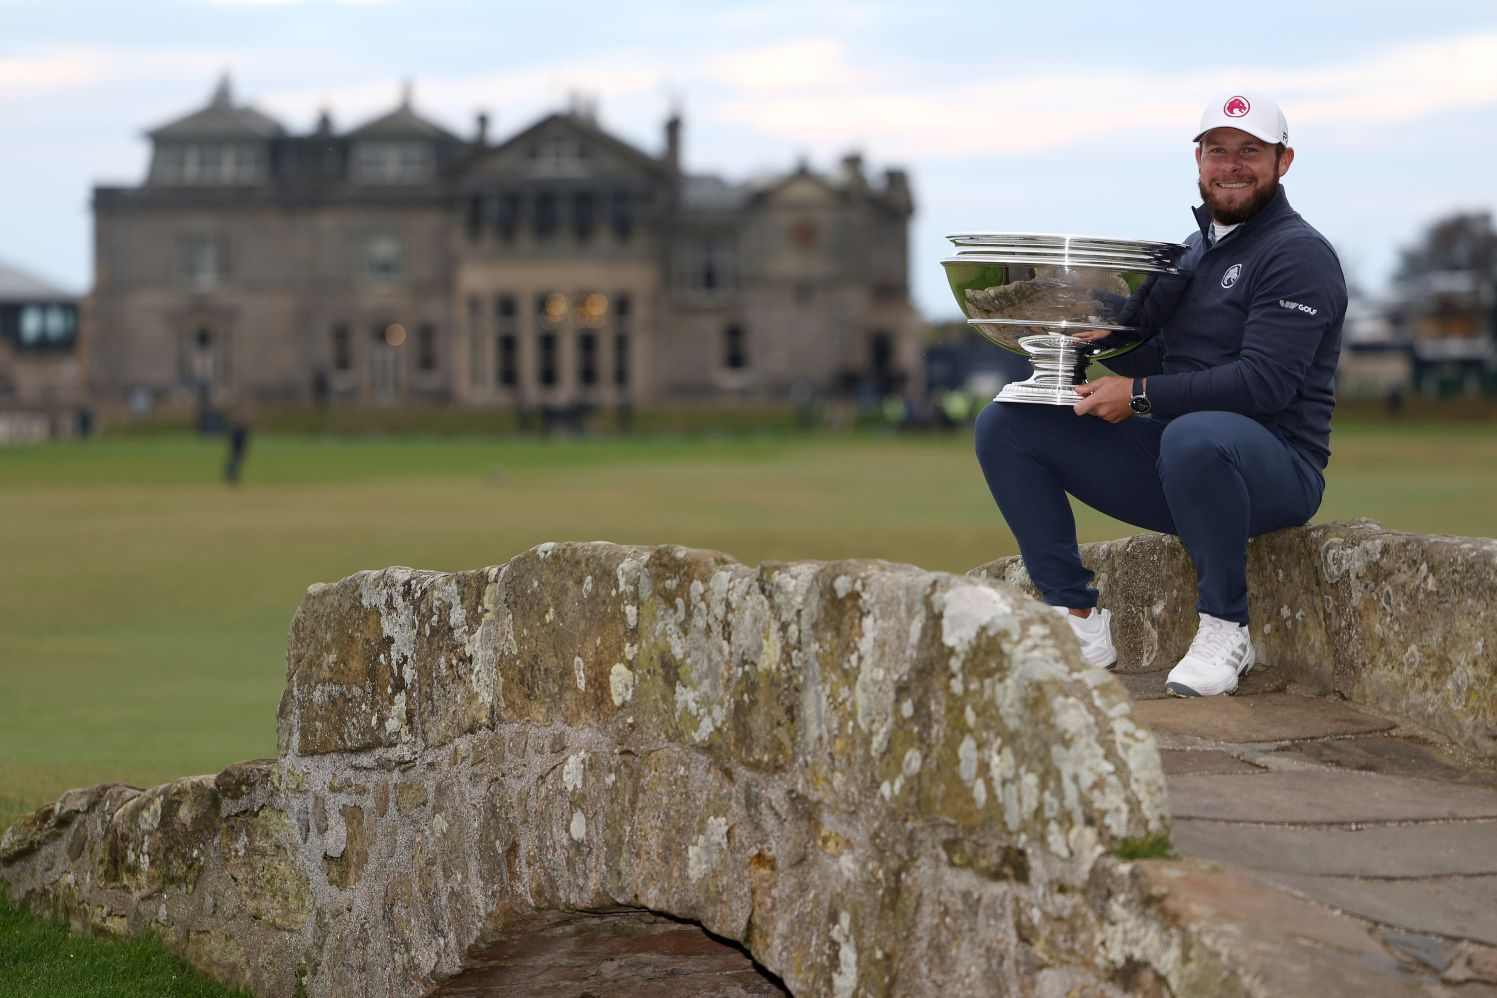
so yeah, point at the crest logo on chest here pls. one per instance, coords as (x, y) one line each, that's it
(1233, 273)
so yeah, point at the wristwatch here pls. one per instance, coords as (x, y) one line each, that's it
(1139, 403)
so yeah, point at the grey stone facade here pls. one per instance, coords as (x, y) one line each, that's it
(39, 358)
(397, 263)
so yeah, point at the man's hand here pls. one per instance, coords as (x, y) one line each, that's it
(1091, 335)
(1106, 398)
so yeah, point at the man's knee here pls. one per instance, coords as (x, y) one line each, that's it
(1002, 424)
(1199, 440)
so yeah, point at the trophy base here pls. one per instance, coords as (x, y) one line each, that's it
(1059, 366)
(1024, 391)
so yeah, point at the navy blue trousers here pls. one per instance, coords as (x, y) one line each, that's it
(1213, 479)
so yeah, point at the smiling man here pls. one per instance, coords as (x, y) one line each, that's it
(1219, 429)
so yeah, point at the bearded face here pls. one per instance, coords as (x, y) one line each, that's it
(1229, 207)
(1239, 173)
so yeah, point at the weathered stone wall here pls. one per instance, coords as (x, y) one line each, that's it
(881, 780)
(1403, 623)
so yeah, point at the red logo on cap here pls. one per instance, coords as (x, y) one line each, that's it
(1236, 107)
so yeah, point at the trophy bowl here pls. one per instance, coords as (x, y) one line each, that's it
(1031, 293)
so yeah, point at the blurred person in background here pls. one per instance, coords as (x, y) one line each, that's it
(239, 432)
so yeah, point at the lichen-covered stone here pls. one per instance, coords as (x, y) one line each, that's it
(29, 833)
(347, 853)
(258, 853)
(1413, 622)
(157, 839)
(884, 781)
(1403, 623)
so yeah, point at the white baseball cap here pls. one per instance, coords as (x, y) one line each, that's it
(1254, 114)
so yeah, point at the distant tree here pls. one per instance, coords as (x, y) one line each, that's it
(1461, 242)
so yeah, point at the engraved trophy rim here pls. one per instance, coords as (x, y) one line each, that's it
(1067, 283)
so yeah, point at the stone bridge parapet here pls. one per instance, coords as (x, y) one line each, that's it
(1403, 623)
(880, 780)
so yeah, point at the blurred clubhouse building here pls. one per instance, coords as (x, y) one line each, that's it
(400, 264)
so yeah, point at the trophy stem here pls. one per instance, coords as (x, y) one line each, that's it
(1059, 366)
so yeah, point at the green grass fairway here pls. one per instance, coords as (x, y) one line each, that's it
(144, 606)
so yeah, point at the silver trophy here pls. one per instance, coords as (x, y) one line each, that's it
(1031, 293)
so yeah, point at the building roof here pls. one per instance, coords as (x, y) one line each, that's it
(17, 284)
(713, 195)
(585, 125)
(221, 119)
(402, 123)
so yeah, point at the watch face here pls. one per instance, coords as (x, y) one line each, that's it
(1139, 404)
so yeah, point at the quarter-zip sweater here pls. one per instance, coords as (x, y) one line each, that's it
(1252, 326)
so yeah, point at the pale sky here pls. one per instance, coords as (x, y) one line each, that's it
(1071, 117)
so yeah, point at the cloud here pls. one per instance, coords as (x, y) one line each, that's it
(614, 79)
(82, 78)
(904, 113)
(72, 68)
(794, 67)
(1405, 83)
(292, 3)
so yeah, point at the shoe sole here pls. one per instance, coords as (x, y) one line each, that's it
(1185, 692)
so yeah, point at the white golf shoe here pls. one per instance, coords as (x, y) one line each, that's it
(1221, 653)
(1095, 635)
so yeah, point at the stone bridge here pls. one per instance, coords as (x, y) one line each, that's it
(879, 780)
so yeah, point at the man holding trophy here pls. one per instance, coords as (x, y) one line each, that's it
(1215, 430)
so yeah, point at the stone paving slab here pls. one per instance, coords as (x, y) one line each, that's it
(1188, 762)
(1406, 851)
(1326, 797)
(1150, 685)
(1272, 717)
(1294, 946)
(1473, 965)
(1467, 969)
(1394, 756)
(1457, 907)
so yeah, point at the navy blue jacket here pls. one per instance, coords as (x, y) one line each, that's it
(1253, 326)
